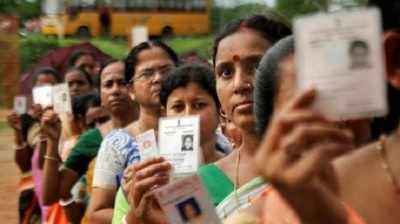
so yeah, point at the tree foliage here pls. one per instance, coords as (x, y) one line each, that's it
(222, 15)
(24, 9)
(293, 8)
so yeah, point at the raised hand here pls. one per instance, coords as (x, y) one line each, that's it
(51, 125)
(14, 121)
(147, 176)
(297, 149)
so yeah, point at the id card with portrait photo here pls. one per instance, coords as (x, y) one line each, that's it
(341, 55)
(179, 140)
(147, 145)
(186, 201)
(20, 104)
(61, 99)
(43, 95)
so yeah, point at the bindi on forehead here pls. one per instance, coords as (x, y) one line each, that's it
(236, 58)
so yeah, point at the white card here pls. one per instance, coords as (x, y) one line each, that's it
(42, 95)
(341, 55)
(147, 145)
(179, 140)
(20, 104)
(186, 201)
(61, 99)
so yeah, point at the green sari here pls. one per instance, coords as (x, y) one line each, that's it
(221, 190)
(121, 207)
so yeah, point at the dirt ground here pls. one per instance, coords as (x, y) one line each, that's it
(9, 176)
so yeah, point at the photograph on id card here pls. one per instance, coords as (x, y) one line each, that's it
(20, 104)
(179, 143)
(147, 145)
(341, 55)
(61, 99)
(186, 202)
(43, 95)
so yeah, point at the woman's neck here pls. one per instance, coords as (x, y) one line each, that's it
(209, 150)
(148, 119)
(250, 141)
(122, 120)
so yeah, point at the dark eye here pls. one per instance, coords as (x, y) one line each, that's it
(108, 84)
(121, 82)
(199, 105)
(177, 107)
(165, 70)
(226, 72)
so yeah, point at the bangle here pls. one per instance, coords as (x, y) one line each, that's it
(65, 203)
(20, 147)
(51, 158)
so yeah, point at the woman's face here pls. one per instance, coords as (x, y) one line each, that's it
(235, 64)
(114, 91)
(95, 116)
(153, 64)
(45, 79)
(193, 100)
(77, 83)
(87, 63)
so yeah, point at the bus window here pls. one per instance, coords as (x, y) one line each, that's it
(118, 4)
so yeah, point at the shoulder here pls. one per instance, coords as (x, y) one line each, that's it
(351, 162)
(119, 139)
(210, 174)
(91, 133)
(119, 144)
(89, 142)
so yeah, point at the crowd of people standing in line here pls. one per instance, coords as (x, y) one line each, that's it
(267, 155)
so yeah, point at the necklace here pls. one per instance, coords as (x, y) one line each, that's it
(236, 184)
(381, 147)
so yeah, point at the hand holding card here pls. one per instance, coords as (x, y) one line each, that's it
(43, 96)
(145, 177)
(20, 105)
(61, 99)
(341, 55)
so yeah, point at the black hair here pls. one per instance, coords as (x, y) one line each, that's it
(82, 103)
(357, 44)
(132, 58)
(390, 10)
(267, 81)
(186, 74)
(270, 28)
(83, 72)
(46, 71)
(75, 55)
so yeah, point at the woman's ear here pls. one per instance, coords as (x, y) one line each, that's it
(392, 55)
(131, 91)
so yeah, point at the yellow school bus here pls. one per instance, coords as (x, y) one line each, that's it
(161, 17)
